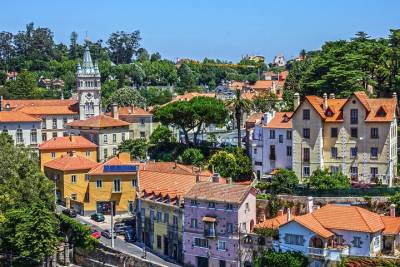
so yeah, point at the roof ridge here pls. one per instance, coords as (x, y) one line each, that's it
(358, 210)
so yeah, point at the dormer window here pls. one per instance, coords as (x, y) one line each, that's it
(285, 118)
(381, 112)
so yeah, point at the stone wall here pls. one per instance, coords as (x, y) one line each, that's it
(104, 256)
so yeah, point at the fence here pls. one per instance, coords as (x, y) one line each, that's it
(352, 192)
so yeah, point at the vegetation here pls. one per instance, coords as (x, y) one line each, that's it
(161, 134)
(369, 262)
(126, 97)
(192, 115)
(233, 163)
(282, 182)
(322, 179)
(270, 258)
(342, 67)
(137, 148)
(193, 156)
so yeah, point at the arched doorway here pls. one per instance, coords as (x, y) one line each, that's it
(316, 242)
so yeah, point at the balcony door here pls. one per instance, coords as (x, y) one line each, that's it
(202, 262)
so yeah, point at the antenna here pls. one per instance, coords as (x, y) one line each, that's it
(87, 40)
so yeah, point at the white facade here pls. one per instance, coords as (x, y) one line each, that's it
(24, 133)
(271, 146)
(54, 125)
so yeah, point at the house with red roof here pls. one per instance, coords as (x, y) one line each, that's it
(105, 131)
(356, 136)
(270, 143)
(335, 231)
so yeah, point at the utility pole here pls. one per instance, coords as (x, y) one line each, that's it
(112, 224)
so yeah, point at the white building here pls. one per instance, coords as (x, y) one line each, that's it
(23, 128)
(271, 143)
(328, 233)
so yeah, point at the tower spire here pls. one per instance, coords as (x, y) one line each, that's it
(87, 64)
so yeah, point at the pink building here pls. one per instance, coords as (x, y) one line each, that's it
(217, 216)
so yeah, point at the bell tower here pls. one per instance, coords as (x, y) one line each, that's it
(88, 87)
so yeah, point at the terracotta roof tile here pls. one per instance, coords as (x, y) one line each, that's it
(310, 222)
(68, 142)
(17, 116)
(115, 161)
(208, 191)
(372, 105)
(281, 120)
(48, 106)
(392, 225)
(274, 223)
(100, 121)
(255, 117)
(131, 111)
(71, 162)
(172, 167)
(52, 110)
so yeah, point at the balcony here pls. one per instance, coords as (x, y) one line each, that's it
(331, 253)
(210, 233)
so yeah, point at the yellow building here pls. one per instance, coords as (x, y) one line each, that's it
(162, 186)
(356, 136)
(72, 181)
(58, 146)
(114, 180)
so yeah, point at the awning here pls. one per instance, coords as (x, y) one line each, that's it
(209, 219)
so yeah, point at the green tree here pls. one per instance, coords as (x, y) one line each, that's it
(192, 115)
(187, 79)
(224, 163)
(265, 102)
(155, 57)
(137, 148)
(193, 156)
(123, 46)
(125, 97)
(282, 182)
(24, 86)
(142, 55)
(239, 105)
(76, 233)
(322, 179)
(270, 258)
(3, 77)
(161, 134)
(156, 96)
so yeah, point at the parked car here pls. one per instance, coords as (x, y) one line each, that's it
(69, 212)
(107, 234)
(120, 228)
(129, 222)
(98, 217)
(130, 236)
(96, 234)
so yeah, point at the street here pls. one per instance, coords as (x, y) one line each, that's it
(119, 242)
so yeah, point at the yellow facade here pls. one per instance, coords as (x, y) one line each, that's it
(49, 155)
(102, 188)
(159, 229)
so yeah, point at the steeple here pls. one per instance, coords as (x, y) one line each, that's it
(87, 64)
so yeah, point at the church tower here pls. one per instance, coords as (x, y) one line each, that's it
(88, 86)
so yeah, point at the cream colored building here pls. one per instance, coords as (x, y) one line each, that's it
(356, 136)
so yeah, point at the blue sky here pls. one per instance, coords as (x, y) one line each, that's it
(224, 29)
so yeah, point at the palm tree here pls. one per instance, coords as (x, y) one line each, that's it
(239, 105)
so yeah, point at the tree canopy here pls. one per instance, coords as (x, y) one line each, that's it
(323, 179)
(282, 182)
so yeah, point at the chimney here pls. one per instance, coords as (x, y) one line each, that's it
(280, 212)
(325, 105)
(1, 103)
(289, 215)
(114, 110)
(310, 204)
(392, 210)
(197, 178)
(296, 100)
(331, 96)
(176, 164)
(215, 178)
(394, 95)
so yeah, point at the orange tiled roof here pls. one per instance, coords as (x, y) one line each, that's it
(172, 168)
(218, 192)
(310, 222)
(266, 84)
(281, 120)
(274, 223)
(71, 162)
(255, 117)
(189, 96)
(68, 142)
(171, 184)
(372, 106)
(100, 121)
(131, 111)
(392, 225)
(236, 85)
(48, 106)
(115, 161)
(17, 116)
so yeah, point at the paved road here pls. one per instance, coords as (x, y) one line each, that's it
(125, 247)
